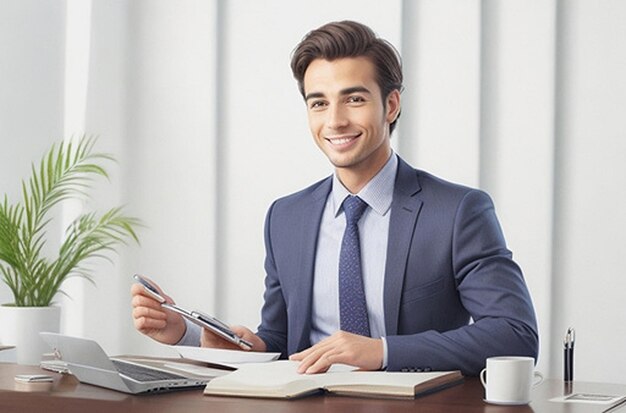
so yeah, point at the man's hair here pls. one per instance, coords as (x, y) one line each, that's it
(346, 38)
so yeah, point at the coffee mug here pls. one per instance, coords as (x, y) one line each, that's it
(509, 379)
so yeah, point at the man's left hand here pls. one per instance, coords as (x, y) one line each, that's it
(342, 347)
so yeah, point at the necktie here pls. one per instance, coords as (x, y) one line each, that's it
(352, 307)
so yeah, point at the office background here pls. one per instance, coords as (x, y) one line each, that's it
(523, 98)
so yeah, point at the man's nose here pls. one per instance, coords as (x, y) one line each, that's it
(337, 117)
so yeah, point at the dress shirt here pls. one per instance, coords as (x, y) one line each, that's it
(373, 234)
(191, 336)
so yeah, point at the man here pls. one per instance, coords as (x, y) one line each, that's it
(395, 285)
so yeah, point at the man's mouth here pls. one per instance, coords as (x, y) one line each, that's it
(342, 139)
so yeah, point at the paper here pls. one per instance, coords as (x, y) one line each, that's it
(229, 358)
(195, 370)
(283, 372)
(589, 398)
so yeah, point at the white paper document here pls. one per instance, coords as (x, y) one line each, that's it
(589, 398)
(229, 358)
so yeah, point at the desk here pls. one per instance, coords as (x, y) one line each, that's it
(67, 395)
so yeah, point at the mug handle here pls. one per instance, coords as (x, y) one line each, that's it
(537, 376)
(484, 381)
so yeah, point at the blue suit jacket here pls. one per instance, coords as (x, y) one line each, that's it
(447, 263)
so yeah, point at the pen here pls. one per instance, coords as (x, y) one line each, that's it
(568, 354)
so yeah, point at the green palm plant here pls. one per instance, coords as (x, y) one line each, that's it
(65, 172)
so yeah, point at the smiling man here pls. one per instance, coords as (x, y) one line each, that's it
(380, 266)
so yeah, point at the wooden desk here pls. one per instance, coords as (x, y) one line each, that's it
(67, 395)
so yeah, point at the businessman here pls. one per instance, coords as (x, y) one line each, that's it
(380, 266)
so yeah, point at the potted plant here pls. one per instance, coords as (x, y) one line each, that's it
(35, 279)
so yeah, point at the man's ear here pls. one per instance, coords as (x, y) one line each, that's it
(392, 105)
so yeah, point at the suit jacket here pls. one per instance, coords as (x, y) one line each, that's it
(447, 265)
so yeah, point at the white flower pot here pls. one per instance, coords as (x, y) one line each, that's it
(20, 326)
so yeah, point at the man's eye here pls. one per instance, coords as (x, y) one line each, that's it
(355, 99)
(317, 104)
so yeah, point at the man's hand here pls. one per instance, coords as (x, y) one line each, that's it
(153, 320)
(363, 352)
(209, 339)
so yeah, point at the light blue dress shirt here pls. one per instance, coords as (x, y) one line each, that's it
(373, 234)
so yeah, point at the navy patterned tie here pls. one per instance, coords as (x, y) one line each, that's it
(352, 307)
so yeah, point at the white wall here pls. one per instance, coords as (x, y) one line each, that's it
(32, 36)
(590, 190)
(195, 98)
(152, 95)
(517, 139)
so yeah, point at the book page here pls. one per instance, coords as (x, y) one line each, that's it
(278, 373)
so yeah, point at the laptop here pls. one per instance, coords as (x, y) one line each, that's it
(88, 362)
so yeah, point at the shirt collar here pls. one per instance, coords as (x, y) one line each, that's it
(377, 193)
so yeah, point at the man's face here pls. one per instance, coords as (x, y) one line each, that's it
(347, 115)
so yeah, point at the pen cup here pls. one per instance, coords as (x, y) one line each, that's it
(509, 379)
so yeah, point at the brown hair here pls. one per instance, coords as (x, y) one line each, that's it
(350, 39)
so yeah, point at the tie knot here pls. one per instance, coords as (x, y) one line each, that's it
(353, 206)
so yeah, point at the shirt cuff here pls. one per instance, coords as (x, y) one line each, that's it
(385, 359)
(192, 335)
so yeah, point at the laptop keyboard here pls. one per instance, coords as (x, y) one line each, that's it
(144, 374)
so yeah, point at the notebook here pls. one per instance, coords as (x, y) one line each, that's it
(280, 379)
(88, 362)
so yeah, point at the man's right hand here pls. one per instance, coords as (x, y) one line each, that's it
(153, 320)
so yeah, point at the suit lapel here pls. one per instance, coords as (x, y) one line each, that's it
(405, 209)
(311, 218)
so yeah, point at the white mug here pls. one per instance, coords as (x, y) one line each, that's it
(509, 379)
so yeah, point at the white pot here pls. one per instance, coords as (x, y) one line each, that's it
(20, 326)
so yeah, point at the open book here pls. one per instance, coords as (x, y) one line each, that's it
(280, 379)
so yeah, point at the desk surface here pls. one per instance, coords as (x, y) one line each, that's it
(67, 395)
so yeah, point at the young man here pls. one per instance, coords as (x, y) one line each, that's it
(380, 266)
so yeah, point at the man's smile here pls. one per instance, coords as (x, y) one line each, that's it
(343, 139)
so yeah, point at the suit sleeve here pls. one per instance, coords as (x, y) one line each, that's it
(491, 288)
(273, 327)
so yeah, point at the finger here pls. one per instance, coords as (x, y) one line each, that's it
(136, 289)
(319, 362)
(314, 354)
(149, 313)
(245, 333)
(210, 339)
(301, 355)
(304, 353)
(322, 364)
(145, 301)
(324, 345)
(143, 323)
(242, 332)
